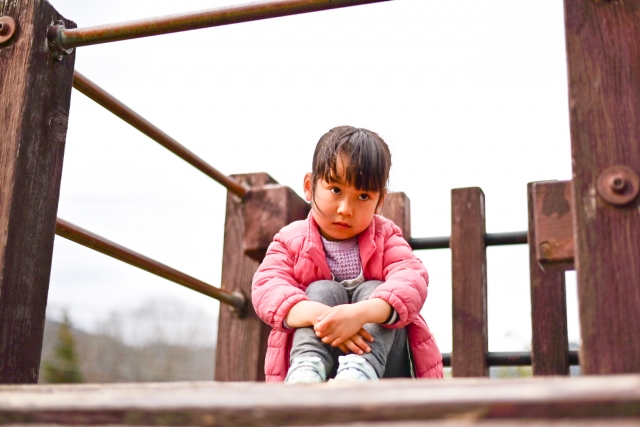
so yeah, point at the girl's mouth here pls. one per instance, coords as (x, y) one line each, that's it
(341, 224)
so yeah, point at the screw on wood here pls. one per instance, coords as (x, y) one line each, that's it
(618, 185)
(7, 28)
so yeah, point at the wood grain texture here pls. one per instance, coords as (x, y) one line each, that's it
(242, 343)
(603, 53)
(397, 208)
(35, 95)
(253, 404)
(267, 210)
(551, 206)
(549, 339)
(469, 279)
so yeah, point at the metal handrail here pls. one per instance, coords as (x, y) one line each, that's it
(70, 38)
(102, 97)
(93, 241)
(514, 358)
(490, 239)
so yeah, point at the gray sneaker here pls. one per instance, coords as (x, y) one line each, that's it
(355, 368)
(306, 370)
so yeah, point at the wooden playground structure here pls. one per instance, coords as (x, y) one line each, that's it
(590, 224)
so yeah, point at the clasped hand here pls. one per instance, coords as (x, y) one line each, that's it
(341, 327)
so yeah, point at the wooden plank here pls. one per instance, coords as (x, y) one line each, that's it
(35, 95)
(267, 210)
(551, 206)
(258, 404)
(603, 53)
(550, 342)
(397, 208)
(242, 342)
(469, 277)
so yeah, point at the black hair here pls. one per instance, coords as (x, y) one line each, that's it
(368, 158)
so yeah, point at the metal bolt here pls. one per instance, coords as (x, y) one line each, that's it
(618, 184)
(7, 28)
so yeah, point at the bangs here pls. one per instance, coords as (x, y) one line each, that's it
(366, 155)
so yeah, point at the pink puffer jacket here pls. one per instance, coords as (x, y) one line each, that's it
(296, 258)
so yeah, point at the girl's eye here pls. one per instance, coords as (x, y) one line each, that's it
(335, 190)
(363, 197)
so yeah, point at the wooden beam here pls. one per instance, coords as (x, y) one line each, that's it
(551, 207)
(35, 94)
(550, 342)
(469, 277)
(268, 209)
(603, 54)
(397, 208)
(242, 341)
(538, 402)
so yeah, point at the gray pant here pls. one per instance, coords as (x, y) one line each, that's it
(389, 352)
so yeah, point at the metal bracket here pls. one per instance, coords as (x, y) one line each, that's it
(54, 35)
(7, 29)
(240, 310)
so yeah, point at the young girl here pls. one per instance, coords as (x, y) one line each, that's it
(343, 289)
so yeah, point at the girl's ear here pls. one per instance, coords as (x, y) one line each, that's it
(308, 186)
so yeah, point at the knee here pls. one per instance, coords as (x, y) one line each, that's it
(327, 292)
(364, 290)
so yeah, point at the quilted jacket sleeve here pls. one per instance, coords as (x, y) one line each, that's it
(274, 290)
(406, 278)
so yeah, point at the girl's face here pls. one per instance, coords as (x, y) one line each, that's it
(340, 210)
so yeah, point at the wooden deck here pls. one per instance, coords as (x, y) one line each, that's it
(585, 401)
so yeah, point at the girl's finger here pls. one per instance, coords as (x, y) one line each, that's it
(353, 347)
(343, 348)
(357, 339)
(365, 334)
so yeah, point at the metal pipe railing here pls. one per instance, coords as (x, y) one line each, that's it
(516, 358)
(490, 239)
(76, 37)
(99, 95)
(93, 241)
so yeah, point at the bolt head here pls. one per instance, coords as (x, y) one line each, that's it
(618, 185)
(7, 28)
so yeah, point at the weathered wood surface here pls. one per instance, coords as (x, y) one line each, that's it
(603, 54)
(549, 339)
(397, 208)
(266, 211)
(550, 203)
(259, 404)
(469, 280)
(35, 95)
(242, 343)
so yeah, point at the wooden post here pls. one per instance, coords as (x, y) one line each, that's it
(242, 342)
(603, 53)
(549, 343)
(35, 94)
(396, 207)
(469, 277)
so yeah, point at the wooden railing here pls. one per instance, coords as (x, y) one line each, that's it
(591, 223)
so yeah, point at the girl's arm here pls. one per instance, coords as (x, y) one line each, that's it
(306, 313)
(274, 291)
(342, 322)
(406, 279)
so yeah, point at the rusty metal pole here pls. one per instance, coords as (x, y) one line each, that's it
(86, 238)
(69, 38)
(102, 97)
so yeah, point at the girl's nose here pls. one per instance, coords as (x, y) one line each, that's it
(344, 208)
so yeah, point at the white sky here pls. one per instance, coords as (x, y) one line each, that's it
(466, 93)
